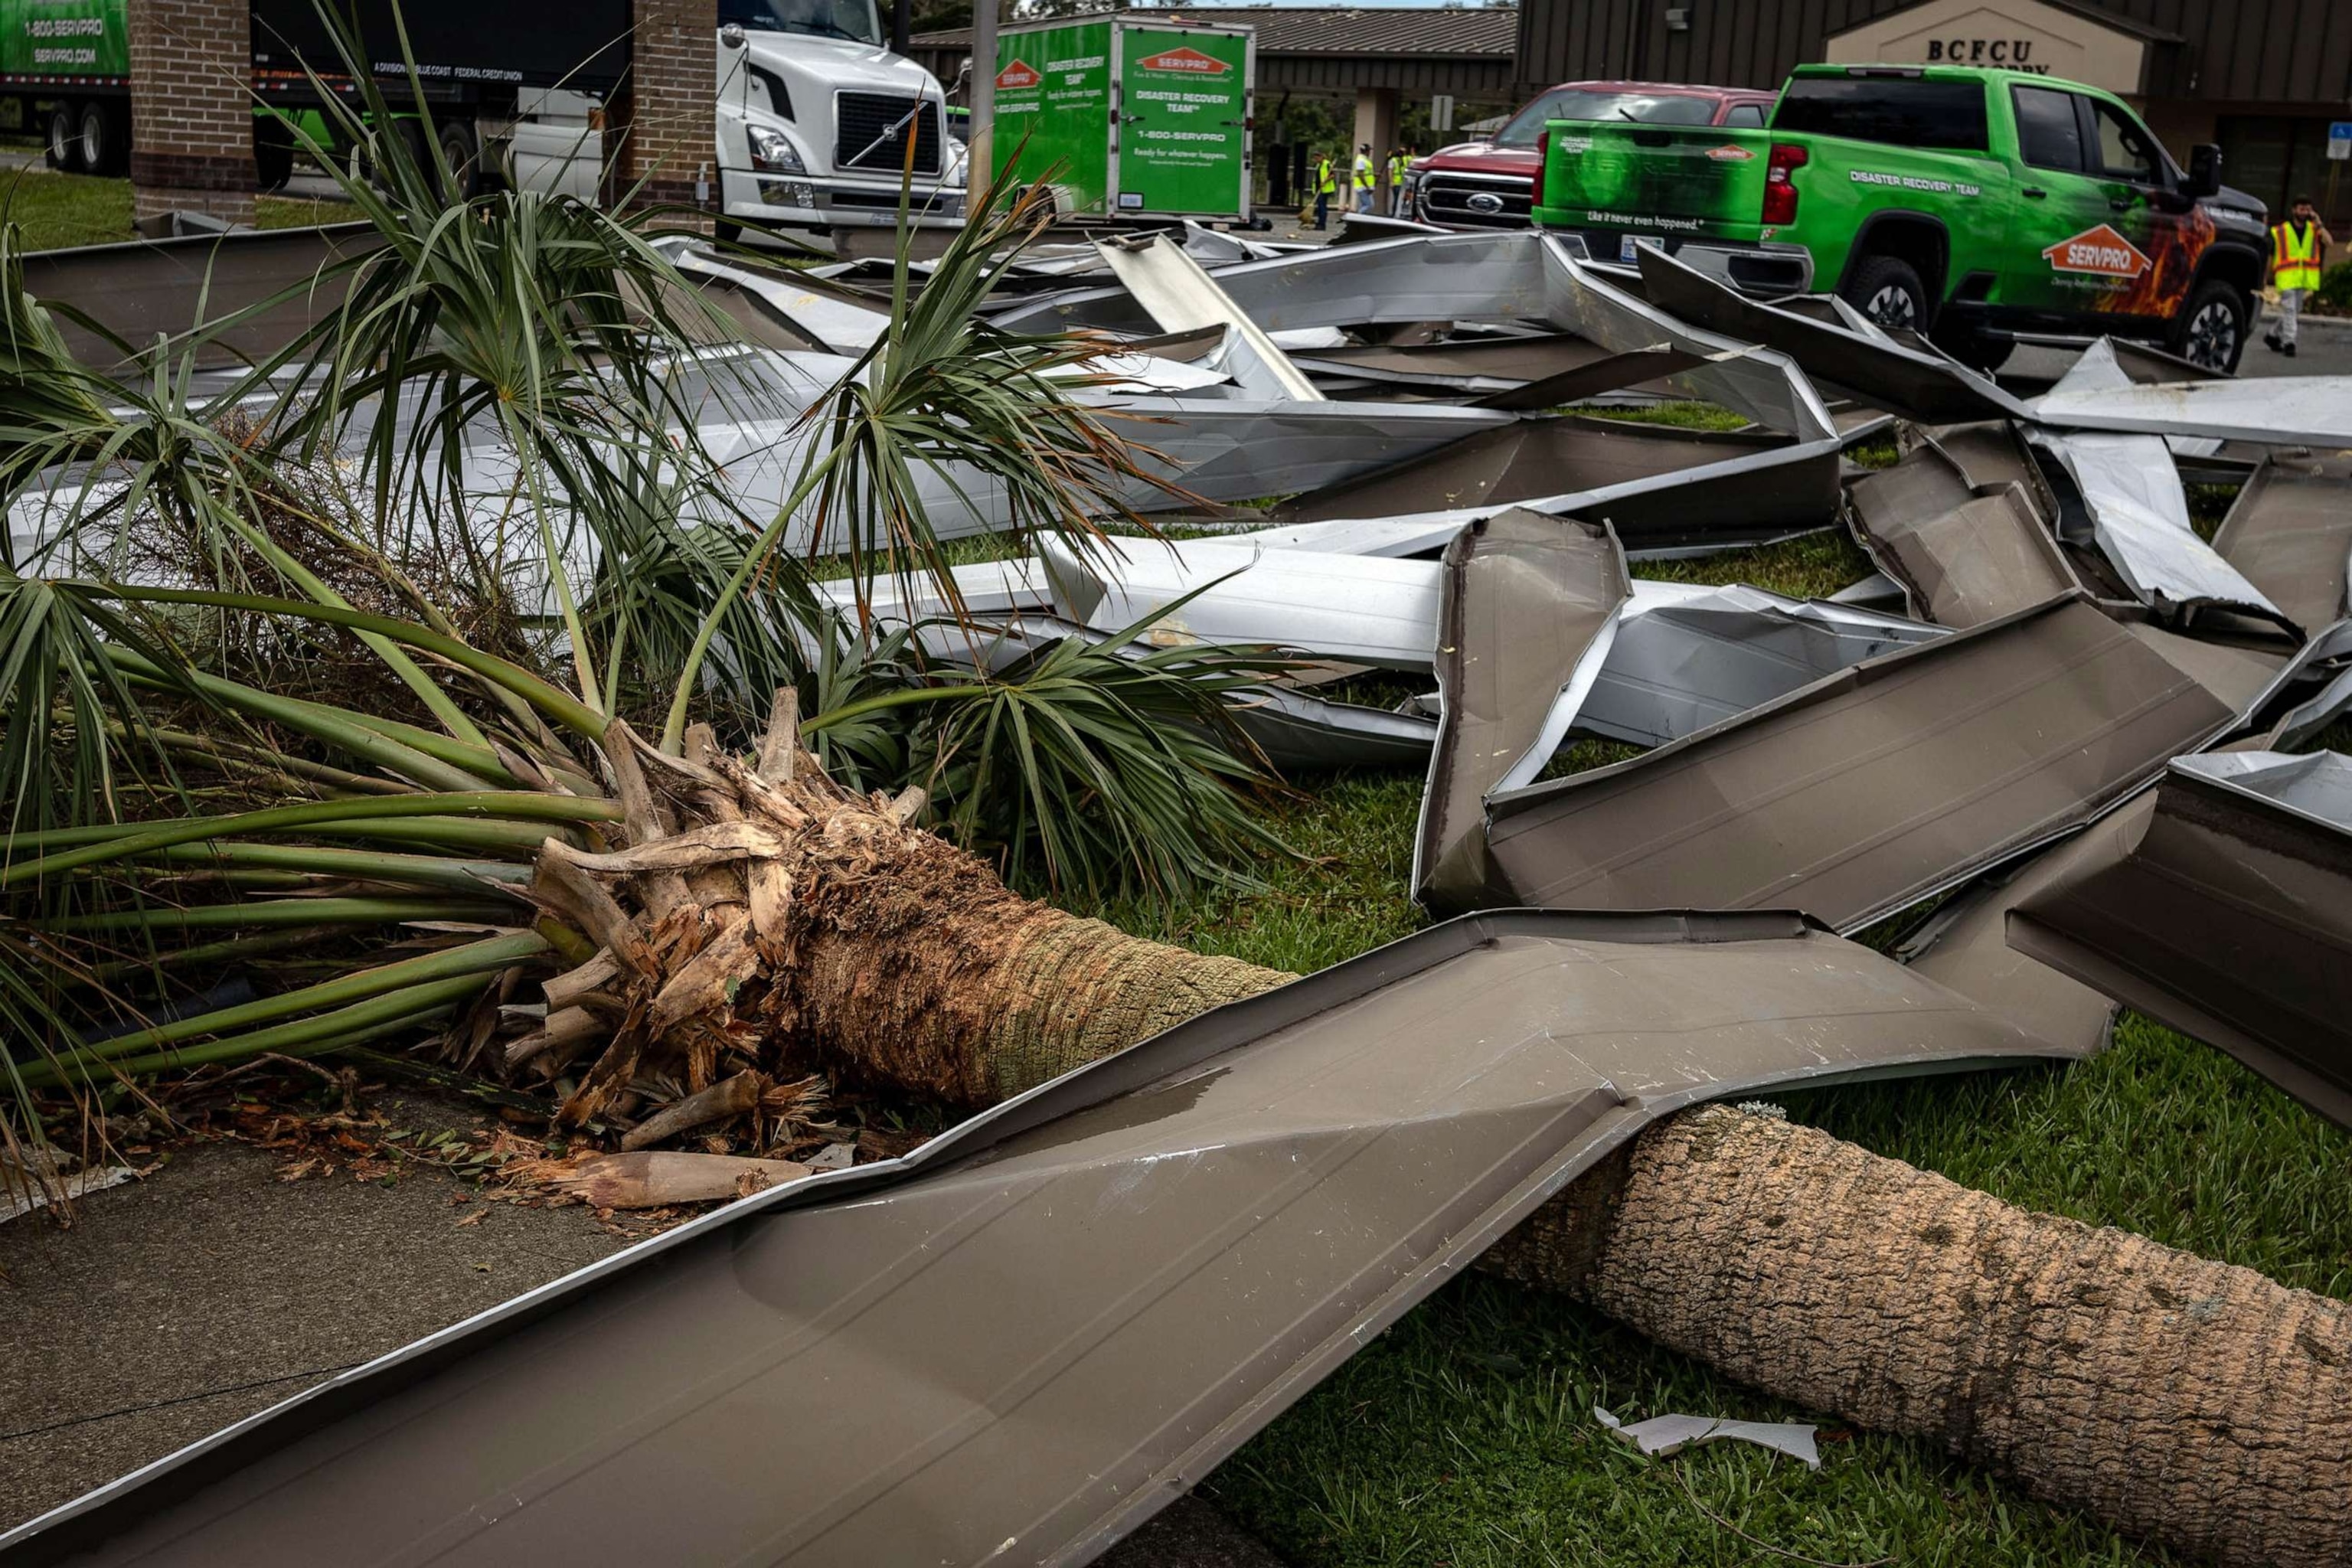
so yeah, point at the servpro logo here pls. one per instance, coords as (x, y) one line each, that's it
(1020, 73)
(2101, 250)
(1186, 62)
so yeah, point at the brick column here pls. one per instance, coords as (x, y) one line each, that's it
(666, 115)
(191, 114)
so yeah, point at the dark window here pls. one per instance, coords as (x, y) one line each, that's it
(1746, 114)
(1904, 111)
(2049, 136)
(2125, 149)
(855, 20)
(1575, 103)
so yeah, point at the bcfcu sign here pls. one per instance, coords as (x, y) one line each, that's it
(2017, 54)
(2021, 35)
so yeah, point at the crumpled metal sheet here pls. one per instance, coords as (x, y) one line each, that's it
(1918, 384)
(2220, 903)
(805, 308)
(1181, 297)
(2139, 517)
(1529, 612)
(1492, 278)
(2296, 410)
(1473, 367)
(1052, 1321)
(1297, 729)
(1687, 657)
(1662, 1437)
(2290, 533)
(2315, 690)
(1871, 790)
(1451, 278)
(1964, 945)
(1579, 463)
(1964, 556)
(1360, 609)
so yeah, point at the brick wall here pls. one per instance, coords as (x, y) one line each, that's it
(666, 113)
(192, 118)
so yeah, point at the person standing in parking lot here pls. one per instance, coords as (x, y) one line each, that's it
(2299, 253)
(1363, 172)
(1327, 185)
(1400, 160)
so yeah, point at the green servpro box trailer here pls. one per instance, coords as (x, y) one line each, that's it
(1129, 118)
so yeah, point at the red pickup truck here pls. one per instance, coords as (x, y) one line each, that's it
(1491, 183)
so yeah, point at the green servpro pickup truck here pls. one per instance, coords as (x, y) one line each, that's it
(1978, 206)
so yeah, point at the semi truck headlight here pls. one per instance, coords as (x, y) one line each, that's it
(774, 153)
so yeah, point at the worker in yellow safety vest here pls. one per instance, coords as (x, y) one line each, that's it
(1327, 185)
(1400, 159)
(1363, 177)
(2298, 247)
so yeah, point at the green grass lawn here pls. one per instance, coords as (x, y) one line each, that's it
(1465, 1434)
(58, 210)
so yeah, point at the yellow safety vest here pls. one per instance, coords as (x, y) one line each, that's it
(1325, 184)
(1363, 171)
(2295, 258)
(1396, 169)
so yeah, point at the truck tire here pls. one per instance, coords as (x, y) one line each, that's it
(273, 152)
(1888, 289)
(2211, 328)
(95, 153)
(461, 158)
(64, 129)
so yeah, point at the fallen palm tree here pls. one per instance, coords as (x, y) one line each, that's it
(2187, 1401)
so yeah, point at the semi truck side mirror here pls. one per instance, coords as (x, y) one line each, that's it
(2204, 169)
(731, 35)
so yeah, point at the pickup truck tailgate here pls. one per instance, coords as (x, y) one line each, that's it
(1662, 179)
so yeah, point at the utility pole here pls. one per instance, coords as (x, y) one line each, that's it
(982, 160)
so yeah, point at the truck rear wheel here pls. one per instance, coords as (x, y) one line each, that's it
(462, 158)
(98, 152)
(2210, 329)
(273, 152)
(1888, 289)
(63, 156)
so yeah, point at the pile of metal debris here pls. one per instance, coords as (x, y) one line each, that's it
(2057, 717)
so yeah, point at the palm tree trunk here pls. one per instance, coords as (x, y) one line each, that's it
(2194, 1404)
(2191, 1403)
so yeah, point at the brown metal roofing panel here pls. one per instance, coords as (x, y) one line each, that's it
(1022, 1346)
(2222, 913)
(1871, 789)
(1460, 365)
(2289, 532)
(1988, 452)
(141, 288)
(1535, 458)
(1528, 605)
(1964, 946)
(1989, 556)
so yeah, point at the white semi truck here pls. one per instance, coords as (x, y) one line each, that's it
(817, 118)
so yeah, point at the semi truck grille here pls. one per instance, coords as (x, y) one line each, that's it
(1488, 203)
(865, 117)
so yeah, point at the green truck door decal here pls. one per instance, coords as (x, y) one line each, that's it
(1053, 108)
(1183, 133)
